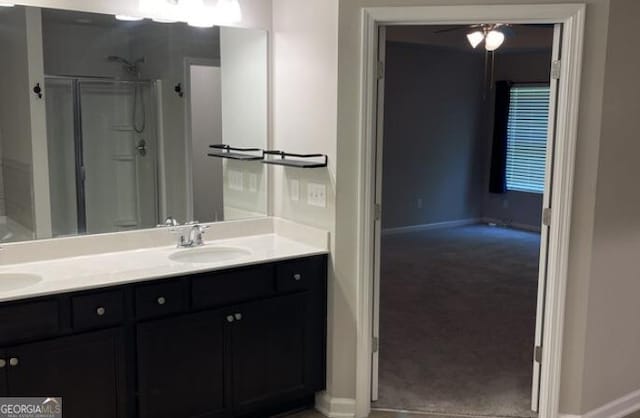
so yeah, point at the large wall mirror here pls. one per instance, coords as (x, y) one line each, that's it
(105, 125)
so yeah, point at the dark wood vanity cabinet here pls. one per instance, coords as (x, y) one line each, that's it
(182, 367)
(3, 374)
(87, 370)
(243, 342)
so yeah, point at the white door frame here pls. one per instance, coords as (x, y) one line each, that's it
(188, 62)
(571, 16)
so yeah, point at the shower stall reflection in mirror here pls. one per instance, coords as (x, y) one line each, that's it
(102, 146)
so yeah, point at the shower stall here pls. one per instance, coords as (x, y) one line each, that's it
(102, 146)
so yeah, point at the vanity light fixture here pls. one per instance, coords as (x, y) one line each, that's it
(6, 4)
(229, 11)
(129, 18)
(160, 20)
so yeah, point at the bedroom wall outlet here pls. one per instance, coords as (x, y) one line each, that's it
(253, 183)
(236, 180)
(294, 190)
(317, 195)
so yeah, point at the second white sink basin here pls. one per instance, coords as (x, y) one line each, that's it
(15, 281)
(204, 255)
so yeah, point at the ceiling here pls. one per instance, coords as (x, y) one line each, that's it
(519, 38)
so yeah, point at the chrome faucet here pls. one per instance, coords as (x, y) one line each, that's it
(170, 222)
(195, 236)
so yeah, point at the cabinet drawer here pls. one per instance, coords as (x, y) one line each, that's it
(29, 321)
(97, 310)
(160, 299)
(298, 274)
(217, 289)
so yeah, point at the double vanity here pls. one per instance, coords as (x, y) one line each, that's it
(236, 327)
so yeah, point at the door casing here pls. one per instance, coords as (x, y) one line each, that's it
(571, 17)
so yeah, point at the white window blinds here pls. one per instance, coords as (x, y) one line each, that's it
(527, 138)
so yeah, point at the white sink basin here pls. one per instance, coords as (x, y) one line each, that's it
(209, 254)
(15, 281)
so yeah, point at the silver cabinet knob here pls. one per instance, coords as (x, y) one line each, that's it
(3, 363)
(238, 316)
(297, 277)
(101, 311)
(161, 300)
(230, 318)
(13, 362)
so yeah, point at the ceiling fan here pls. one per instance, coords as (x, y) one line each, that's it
(493, 34)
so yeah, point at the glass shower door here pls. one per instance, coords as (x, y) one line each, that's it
(118, 165)
(60, 105)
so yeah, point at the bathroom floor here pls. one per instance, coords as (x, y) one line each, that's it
(457, 321)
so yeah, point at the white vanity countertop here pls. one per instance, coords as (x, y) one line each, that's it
(116, 268)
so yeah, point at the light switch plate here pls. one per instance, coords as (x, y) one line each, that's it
(253, 183)
(317, 195)
(294, 190)
(236, 180)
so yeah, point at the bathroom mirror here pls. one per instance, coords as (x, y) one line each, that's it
(105, 124)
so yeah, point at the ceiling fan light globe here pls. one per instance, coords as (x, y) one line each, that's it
(475, 38)
(494, 40)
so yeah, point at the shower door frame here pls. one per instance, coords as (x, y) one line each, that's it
(78, 139)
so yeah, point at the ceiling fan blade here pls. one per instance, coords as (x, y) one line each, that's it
(451, 29)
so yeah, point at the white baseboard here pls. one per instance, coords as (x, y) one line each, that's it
(514, 225)
(426, 227)
(619, 408)
(335, 407)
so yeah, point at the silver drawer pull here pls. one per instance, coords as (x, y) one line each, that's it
(161, 300)
(13, 362)
(230, 318)
(101, 311)
(3, 363)
(297, 277)
(238, 317)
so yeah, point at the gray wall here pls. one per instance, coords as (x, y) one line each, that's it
(612, 344)
(515, 208)
(15, 118)
(438, 132)
(434, 154)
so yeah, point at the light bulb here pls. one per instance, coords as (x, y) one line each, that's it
(127, 18)
(475, 38)
(494, 40)
(229, 11)
(197, 14)
(162, 20)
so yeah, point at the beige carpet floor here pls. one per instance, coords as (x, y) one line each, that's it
(457, 321)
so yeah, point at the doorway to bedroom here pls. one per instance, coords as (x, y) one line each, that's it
(464, 148)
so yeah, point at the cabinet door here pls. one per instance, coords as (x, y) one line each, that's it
(87, 371)
(270, 352)
(4, 364)
(181, 367)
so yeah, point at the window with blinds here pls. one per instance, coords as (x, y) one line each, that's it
(527, 138)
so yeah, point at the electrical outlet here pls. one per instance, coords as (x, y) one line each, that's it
(253, 183)
(236, 180)
(294, 190)
(317, 195)
(420, 203)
